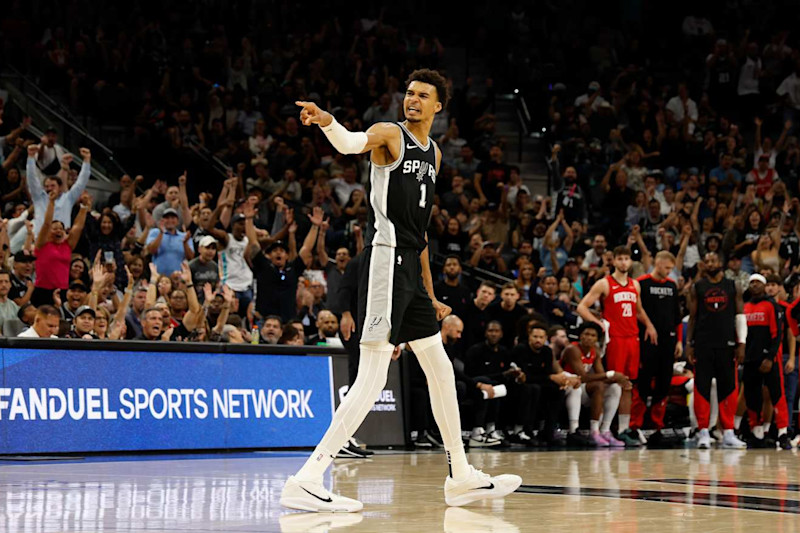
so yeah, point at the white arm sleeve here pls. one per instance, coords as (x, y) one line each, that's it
(741, 329)
(346, 142)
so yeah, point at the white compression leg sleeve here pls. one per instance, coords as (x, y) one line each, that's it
(610, 405)
(574, 408)
(714, 405)
(444, 403)
(373, 368)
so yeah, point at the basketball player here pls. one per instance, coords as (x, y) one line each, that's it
(599, 388)
(622, 308)
(661, 302)
(396, 299)
(762, 374)
(717, 333)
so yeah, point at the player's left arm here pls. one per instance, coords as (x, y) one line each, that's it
(441, 309)
(650, 330)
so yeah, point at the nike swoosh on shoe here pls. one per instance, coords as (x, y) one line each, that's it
(328, 500)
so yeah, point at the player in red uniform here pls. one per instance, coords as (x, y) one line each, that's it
(622, 309)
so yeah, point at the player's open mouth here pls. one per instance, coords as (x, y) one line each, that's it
(414, 109)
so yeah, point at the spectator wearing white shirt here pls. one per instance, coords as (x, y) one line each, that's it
(681, 107)
(343, 187)
(789, 91)
(50, 153)
(591, 98)
(45, 324)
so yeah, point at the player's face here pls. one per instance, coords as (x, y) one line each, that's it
(560, 339)
(756, 288)
(536, 338)
(622, 263)
(664, 267)
(588, 338)
(421, 102)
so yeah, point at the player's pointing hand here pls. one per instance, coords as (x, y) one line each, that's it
(312, 114)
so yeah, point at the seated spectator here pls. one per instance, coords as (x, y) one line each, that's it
(45, 324)
(53, 251)
(542, 370)
(8, 309)
(327, 331)
(272, 330)
(290, 336)
(552, 308)
(487, 257)
(477, 315)
(22, 285)
(452, 240)
(82, 325)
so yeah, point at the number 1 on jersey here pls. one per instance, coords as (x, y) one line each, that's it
(422, 188)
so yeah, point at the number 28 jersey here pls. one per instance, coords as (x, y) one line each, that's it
(619, 308)
(400, 196)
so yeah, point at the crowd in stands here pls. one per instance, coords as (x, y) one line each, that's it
(702, 160)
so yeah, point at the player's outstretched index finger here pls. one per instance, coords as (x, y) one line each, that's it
(304, 105)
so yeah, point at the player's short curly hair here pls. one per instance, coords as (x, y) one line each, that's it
(426, 75)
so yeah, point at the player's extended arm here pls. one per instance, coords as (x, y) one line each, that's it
(598, 290)
(348, 142)
(650, 332)
(441, 309)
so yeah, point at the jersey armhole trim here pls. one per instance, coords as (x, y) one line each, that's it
(396, 163)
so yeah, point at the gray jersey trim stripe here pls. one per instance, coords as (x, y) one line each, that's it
(377, 325)
(378, 199)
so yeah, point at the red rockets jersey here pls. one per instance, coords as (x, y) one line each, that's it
(587, 359)
(619, 308)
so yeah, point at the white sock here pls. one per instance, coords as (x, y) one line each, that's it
(373, 367)
(518, 428)
(624, 422)
(728, 434)
(610, 406)
(737, 421)
(490, 427)
(758, 432)
(782, 431)
(766, 427)
(574, 408)
(714, 405)
(594, 426)
(444, 403)
(476, 432)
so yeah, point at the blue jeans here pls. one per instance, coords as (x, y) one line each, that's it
(790, 389)
(244, 297)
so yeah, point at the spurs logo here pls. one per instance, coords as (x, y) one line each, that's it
(400, 260)
(373, 323)
(423, 169)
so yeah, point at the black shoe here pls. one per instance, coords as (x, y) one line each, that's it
(348, 451)
(364, 451)
(553, 440)
(577, 440)
(520, 438)
(784, 442)
(754, 442)
(435, 443)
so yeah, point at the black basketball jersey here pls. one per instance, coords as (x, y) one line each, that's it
(401, 196)
(662, 304)
(715, 322)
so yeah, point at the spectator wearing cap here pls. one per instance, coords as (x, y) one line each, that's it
(8, 309)
(83, 324)
(204, 268)
(278, 270)
(76, 297)
(40, 192)
(54, 247)
(169, 246)
(236, 247)
(487, 257)
(21, 278)
(45, 324)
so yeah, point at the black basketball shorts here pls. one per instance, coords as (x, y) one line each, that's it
(393, 304)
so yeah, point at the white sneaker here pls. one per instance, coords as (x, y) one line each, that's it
(482, 440)
(497, 435)
(316, 522)
(310, 496)
(479, 486)
(731, 442)
(459, 520)
(703, 439)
